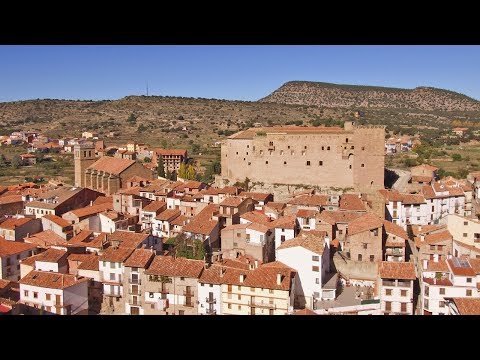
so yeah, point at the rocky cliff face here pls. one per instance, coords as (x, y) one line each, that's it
(353, 96)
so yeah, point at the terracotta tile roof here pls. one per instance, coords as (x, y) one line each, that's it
(461, 271)
(41, 205)
(426, 229)
(397, 270)
(45, 238)
(263, 277)
(136, 178)
(428, 192)
(277, 206)
(235, 263)
(140, 258)
(104, 200)
(425, 166)
(170, 266)
(111, 165)
(234, 201)
(334, 217)
(467, 306)
(285, 222)
(258, 227)
(437, 282)
(235, 227)
(436, 266)
(211, 275)
(90, 263)
(80, 257)
(168, 215)
(411, 199)
(8, 248)
(307, 241)
(134, 190)
(30, 261)
(128, 239)
(11, 224)
(51, 280)
(9, 199)
(305, 312)
(52, 255)
(230, 190)
(92, 210)
(166, 152)
(189, 185)
(255, 217)
(257, 196)
(395, 229)
(438, 237)
(57, 220)
(88, 239)
(475, 264)
(424, 179)
(202, 223)
(309, 200)
(304, 213)
(351, 202)
(180, 220)
(155, 206)
(116, 254)
(365, 222)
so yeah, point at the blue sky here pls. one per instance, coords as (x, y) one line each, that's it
(226, 72)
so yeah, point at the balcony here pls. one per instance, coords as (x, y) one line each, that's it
(394, 251)
(188, 293)
(211, 312)
(115, 293)
(188, 304)
(135, 301)
(210, 301)
(261, 305)
(388, 283)
(135, 281)
(135, 292)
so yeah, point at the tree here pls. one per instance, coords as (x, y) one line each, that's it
(146, 159)
(2, 160)
(190, 172)
(16, 161)
(195, 148)
(182, 172)
(132, 119)
(161, 167)
(456, 157)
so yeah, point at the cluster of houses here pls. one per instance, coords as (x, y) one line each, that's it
(397, 144)
(73, 250)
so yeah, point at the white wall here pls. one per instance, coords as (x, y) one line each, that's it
(46, 266)
(14, 265)
(41, 298)
(455, 224)
(105, 271)
(203, 294)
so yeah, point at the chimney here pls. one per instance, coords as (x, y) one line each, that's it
(91, 203)
(279, 279)
(242, 277)
(435, 281)
(425, 264)
(256, 264)
(151, 249)
(422, 237)
(222, 271)
(419, 227)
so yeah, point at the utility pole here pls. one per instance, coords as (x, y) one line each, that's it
(147, 88)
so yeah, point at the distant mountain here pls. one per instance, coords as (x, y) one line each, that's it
(373, 97)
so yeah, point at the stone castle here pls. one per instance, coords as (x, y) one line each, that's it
(348, 157)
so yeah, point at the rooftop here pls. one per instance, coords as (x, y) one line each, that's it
(285, 130)
(11, 224)
(111, 165)
(170, 266)
(140, 258)
(51, 280)
(365, 222)
(8, 248)
(308, 241)
(397, 270)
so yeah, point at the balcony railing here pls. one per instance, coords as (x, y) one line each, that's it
(210, 301)
(135, 292)
(135, 301)
(112, 293)
(188, 304)
(262, 305)
(388, 283)
(188, 293)
(135, 281)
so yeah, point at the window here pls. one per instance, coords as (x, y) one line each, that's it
(442, 291)
(249, 163)
(284, 163)
(469, 292)
(202, 284)
(363, 165)
(35, 295)
(476, 237)
(282, 238)
(403, 307)
(281, 152)
(182, 278)
(308, 163)
(365, 245)
(239, 288)
(388, 306)
(150, 295)
(320, 163)
(349, 166)
(469, 280)
(270, 143)
(315, 258)
(346, 140)
(323, 147)
(305, 147)
(441, 304)
(47, 296)
(104, 263)
(229, 306)
(112, 276)
(266, 162)
(252, 289)
(465, 234)
(317, 281)
(465, 223)
(229, 287)
(388, 292)
(112, 265)
(135, 269)
(315, 268)
(288, 147)
(403, 293)
(340, 232)
(432, 247)
(374, 232)
(25, 293)
(359, 257)
(363, 147)
(239, 307)
(270, 291)
(328, 147)
(239, 297)
(303, 152)
(372, 258)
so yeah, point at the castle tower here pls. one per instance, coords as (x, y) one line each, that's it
(84, 156)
